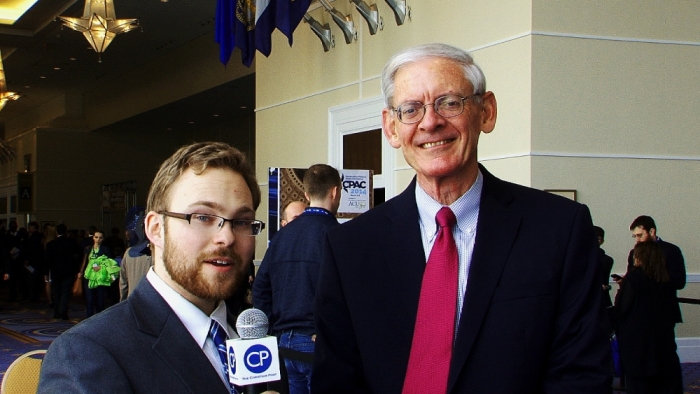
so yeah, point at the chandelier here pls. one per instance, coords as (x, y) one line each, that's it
(99, 24)
(5, 96)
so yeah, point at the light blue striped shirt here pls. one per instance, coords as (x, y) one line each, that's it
(466, 210)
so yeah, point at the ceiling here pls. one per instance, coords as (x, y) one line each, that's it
(44, 60)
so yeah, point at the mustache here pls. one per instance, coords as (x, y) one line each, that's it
(222, 252)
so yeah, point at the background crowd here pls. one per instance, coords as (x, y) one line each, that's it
(48, 263)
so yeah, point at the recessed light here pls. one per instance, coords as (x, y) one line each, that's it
(42, 77)
(72, 59)
(57, 68)
(216, 115)
(190, 122)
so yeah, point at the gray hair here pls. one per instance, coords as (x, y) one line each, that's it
(472, 72)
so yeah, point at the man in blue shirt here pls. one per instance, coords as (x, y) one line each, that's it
(286, 282)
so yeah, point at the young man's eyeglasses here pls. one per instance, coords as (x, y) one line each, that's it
(212, 223)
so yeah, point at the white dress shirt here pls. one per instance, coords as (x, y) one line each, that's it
(466, 210)
(196, 321)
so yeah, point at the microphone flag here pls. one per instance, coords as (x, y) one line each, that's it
(253, 361)
(254, 357)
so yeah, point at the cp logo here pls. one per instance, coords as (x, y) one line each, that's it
(258, 358)
(231, 360)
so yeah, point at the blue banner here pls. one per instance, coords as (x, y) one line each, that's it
(248, 24)
(284, 15)
(244, 30)
(223, 29)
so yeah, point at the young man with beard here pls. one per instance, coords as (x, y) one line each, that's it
(201, 225)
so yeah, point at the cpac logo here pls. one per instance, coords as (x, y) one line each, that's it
(258, 358)
(354, 184)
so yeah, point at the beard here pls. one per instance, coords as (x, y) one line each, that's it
(188, 273)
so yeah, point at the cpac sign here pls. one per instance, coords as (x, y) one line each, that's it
(354, 185)
(357, 187)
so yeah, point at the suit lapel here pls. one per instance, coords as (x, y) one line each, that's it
(496, 231)
(405, 250)
(172, 342)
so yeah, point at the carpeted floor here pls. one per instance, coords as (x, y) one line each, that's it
(26, 326)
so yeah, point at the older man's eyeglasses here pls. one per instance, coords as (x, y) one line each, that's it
(447, 106)
(213, 223)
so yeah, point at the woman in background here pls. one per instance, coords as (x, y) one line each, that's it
(645, 328)
(94, 298)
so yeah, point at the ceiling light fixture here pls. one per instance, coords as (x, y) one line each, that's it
(323, 32)
(343, 21)
(7, 153)
(371, 15)
(401, 10)
(99, 24)
(5, 96)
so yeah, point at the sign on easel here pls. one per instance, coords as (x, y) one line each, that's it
(286, 185)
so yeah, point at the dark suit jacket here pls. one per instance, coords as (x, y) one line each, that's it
(645, 327)
(63, 258)
(676, 272)
(532, 321)
(606, 263)
(32, 252)
(137, 346)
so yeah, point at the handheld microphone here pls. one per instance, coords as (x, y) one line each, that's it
(253, 358)
(252, 324)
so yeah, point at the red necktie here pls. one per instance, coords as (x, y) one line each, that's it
(431, 350)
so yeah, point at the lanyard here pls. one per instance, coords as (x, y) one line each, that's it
(317, 211)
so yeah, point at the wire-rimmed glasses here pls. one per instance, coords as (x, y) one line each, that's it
(447, 106)
(211, 223)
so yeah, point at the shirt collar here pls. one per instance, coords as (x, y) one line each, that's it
(465, 208)
(194, 320)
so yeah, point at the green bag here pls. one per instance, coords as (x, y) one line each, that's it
(108, 273)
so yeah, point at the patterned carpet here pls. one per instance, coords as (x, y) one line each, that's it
(26, 326)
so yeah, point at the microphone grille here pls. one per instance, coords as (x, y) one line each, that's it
(251, 324)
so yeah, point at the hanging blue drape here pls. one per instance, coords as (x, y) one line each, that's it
(248, 25)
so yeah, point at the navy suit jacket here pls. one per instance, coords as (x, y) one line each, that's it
(137, 346)
(533, 319)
